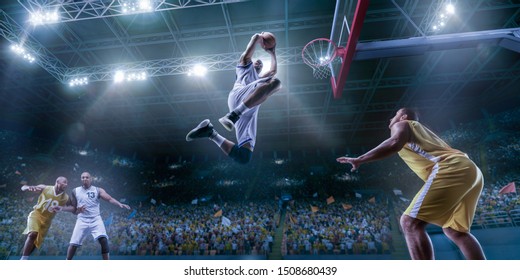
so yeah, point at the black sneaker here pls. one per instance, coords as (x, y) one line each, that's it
(203, 130)
(229, 120)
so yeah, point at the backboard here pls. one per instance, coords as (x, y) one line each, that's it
(348, 20)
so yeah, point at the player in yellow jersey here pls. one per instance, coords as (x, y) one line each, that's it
(39, 220)
(452, 185)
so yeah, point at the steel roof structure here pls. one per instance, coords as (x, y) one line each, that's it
(464, 72)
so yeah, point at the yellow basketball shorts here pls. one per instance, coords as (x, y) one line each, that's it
(450, 195)
(39, 224)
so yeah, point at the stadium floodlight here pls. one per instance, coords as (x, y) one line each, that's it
(78, 82)
(443, 17)
(198, 70)
(40, 17)
(121, 76)
(450, 8)
(136, 6)
(139, 76)
(21, 51)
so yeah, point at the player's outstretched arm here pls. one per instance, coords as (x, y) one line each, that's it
(104, 195)
(247, 55)
(68, 208)
(37, 188)
(71, 206)
(400, 134)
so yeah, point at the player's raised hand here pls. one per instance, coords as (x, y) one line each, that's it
(55, 208)
(80, 209)
(126, 206)
(353, 161)
(271, 50)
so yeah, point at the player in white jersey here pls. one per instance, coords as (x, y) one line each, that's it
(89, 219)
(249, 91)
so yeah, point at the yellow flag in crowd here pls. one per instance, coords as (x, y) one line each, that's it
(314, 209)
(330, 200)
(293, 219)
(218, 214)
(372, 200)
(347, 206)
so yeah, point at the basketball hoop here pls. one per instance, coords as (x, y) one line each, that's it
(318, 54)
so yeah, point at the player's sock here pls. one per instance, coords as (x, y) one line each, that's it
(217, 138)
(240, 109)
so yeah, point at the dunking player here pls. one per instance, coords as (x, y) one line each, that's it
(249, 91)
(451, 190)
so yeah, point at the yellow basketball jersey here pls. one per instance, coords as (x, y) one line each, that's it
(424, 150)
(47, 199)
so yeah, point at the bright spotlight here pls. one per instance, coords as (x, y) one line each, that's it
(443, 17)
(78, 82)
(119, 76)
(41, 17)
(29, 57)
(450, 8)
(324, 58)
(20, 51)
(141, 76)
(145, 5)
(136, 6)
(198, 70)
(17, 49)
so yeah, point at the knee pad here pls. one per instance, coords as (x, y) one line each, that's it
(240, 154)
(104, 245)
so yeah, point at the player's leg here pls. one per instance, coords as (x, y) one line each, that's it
(105, 249)
(205, 130)
(257, 97)
(464, 213)
(78, 234)
(467, 243)
(71, 251)
(99, 233)
(241, 154)
(29, 245)
(262, 93)
(36, 229)
(418, 242)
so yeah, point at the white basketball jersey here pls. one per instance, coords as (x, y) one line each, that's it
(245, 74)
(88, 198)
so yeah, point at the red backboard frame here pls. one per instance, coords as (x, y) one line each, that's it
(347, 56)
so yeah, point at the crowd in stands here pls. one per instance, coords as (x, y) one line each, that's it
(335, 228)
(175, 203)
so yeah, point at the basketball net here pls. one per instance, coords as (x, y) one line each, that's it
(321, 72)
(318, 54)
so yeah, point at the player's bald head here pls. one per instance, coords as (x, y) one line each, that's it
(61, 180)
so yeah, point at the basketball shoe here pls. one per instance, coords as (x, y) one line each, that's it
(203, 130)
(229, 120)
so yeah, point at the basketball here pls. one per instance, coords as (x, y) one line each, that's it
(268, 40)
